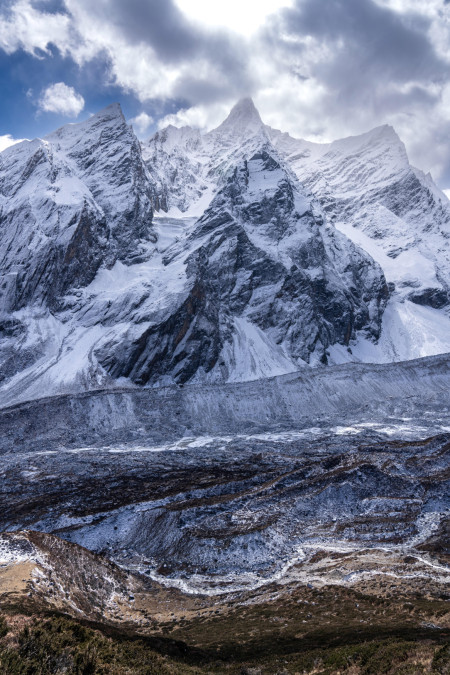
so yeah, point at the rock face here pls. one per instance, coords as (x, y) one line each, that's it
(264, 273)
(76, 200)
(189, 167)
(70, 204)
(244, 273)
(371, 192)
(170, 158)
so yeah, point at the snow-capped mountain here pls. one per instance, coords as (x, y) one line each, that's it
(264, 286)
(368, 191)
(188, 167)
(248, 269)
(77, 199)
(397, 214)
(366, 183)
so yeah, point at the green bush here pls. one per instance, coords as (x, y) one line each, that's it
(441, 661)
(3, 627)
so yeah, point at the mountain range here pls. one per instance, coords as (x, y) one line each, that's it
(227, 256)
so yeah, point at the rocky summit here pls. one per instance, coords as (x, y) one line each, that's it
(224, 402)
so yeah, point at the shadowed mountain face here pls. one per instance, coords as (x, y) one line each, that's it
(368, 191)
(262, 269)
(247, 271)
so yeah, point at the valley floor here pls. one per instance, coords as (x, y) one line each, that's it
(231, 529)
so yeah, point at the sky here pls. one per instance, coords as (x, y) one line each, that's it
(319, 69)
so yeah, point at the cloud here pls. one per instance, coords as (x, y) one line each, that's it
(61, 99)
(203, 117)
(153, 49)
(7, 140)
(23, 26)
(142, 122)
(345, 66)
(157, 52)
(358, 45)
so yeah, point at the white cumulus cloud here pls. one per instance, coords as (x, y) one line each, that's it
(59, 98)
(203, 117)
(142, 122)
(22, 26)
(7, 140)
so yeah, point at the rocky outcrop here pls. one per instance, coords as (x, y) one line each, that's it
(76, 200)
(263, 262)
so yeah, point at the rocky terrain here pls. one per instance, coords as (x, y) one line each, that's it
(222, 489)
(216, 515)
(384, 395)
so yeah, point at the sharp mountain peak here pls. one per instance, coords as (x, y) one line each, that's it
(243, 117)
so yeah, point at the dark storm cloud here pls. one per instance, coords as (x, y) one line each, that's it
(369, 64)
(158, 23)
(176, 40)
(50, 6)
(371, 46)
